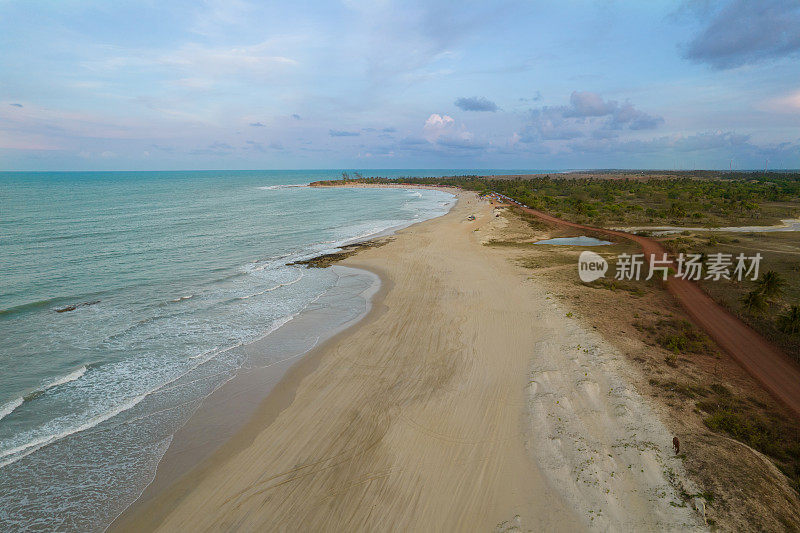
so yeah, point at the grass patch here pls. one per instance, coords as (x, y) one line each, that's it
(772, 434)
(680, 336)
(685, 391)
(545, 261)
(750, 300)
(616, 285)
(507, 244)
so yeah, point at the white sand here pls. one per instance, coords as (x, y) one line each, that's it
(466, 400)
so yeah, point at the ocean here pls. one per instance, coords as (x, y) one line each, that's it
(127, 298)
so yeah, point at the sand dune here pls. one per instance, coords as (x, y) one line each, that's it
(458, 404)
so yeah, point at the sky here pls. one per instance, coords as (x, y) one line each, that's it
(238, 84)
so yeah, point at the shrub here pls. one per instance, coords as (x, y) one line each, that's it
(771, 284)
(754, 303)
(789, 322)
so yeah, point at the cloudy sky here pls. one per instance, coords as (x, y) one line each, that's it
(238, 84)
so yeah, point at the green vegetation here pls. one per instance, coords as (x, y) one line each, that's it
(690, 199)
(747, 421)
(789, 322)
(770, 284)
(754, 303)
(766, 303)
(634, 289)
(693, 199)
(676, 336)
(683, 198)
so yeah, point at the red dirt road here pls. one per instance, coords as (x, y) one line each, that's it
(771, 367)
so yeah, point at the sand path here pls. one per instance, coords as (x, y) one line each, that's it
(425, 416)
(760, 358)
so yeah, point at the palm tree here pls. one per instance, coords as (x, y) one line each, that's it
(754, 302)
(771, 284)
(789, 322)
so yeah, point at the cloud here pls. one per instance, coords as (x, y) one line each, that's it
(296, 116)
(476, 103)
(441, 132)
(437, 125)
(604, 134)
(633, 118)
(549, 124)
(215, 148)
(197, 66)
(585, 104)
(161, 148)
(587, 115)
(259, 147)
(588, 104)
(252, 58)
(461, 143)
(257, 124)
(254, 145)
(213, 17)
(16, 105)
(389, 130)
(743, 32)
(442, 136)
(340, 133)
(789, 103)
(193, 83)
(535, 98)
(407, 142)
(711, 141)
(409, 40)
(26, 141)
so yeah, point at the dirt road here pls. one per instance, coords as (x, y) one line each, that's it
(766, 363)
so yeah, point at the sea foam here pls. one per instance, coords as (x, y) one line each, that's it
(8, 408)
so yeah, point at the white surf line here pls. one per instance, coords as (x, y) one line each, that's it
(9, 407)
(41, 442)
(72, 376)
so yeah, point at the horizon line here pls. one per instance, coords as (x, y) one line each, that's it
(521, 171)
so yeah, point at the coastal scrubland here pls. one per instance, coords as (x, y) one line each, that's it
(691, 199)
(709, 199)
(738, 444)
(745, 447)
(765, 303)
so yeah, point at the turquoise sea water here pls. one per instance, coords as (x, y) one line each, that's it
(123, 300)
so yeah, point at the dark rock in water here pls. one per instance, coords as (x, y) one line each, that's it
(326, 260)
(75, 306)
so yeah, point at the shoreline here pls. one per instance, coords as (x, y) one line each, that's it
(396, 422)
(174, 473)
(256, 387)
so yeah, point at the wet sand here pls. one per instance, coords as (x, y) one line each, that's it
(436, 412)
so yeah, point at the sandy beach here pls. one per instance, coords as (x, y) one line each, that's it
(467, 399)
